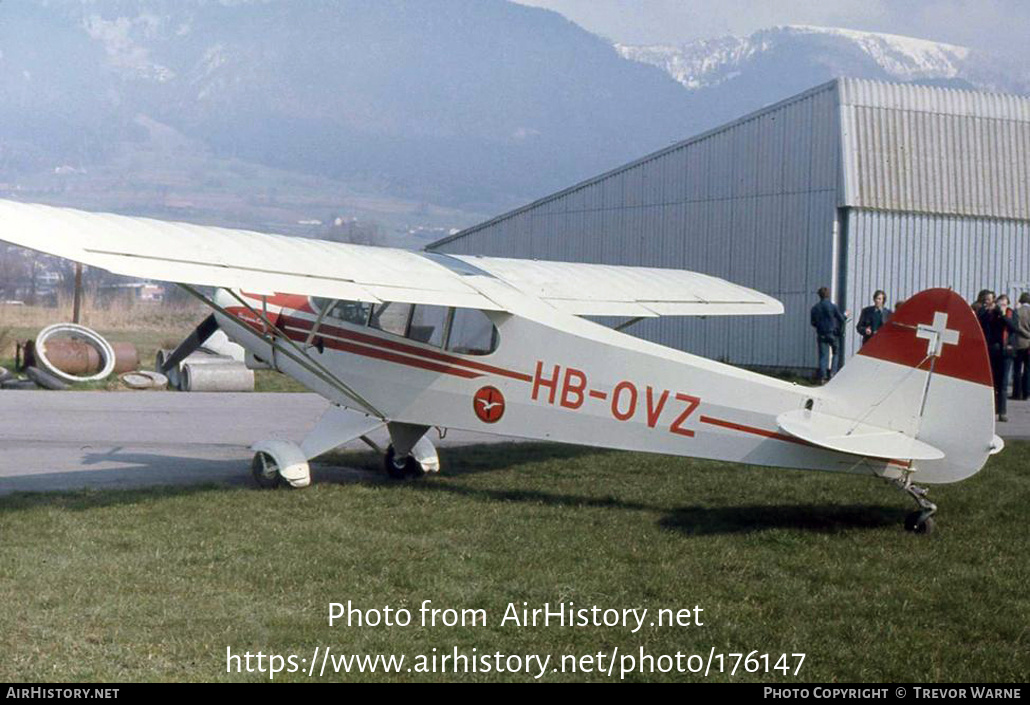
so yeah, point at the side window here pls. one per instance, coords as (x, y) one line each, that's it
(391, 317)
(428, 324)
(355, 312)
(472, 333)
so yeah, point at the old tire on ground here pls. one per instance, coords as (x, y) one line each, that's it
(45, 380)
(15, 383)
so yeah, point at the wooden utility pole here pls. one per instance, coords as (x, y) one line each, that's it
(77, 306)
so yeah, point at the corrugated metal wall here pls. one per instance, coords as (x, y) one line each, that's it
(754, 202)
(935, 182)
(935, 150)
(904, 253)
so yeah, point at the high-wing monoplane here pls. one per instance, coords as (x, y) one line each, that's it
(415, 340)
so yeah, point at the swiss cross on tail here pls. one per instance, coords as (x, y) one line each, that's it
(936, 326)
(937, 334)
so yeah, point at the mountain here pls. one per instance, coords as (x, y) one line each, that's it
(472, 104)
(419, 115)
(735, 75)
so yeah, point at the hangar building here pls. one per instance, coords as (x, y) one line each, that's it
(856, 185)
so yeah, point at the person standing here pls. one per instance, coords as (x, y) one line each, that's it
(828, 322)
(995, 324)
(1008, 340)
(873, 317)
(984, 298)
(1021, 345)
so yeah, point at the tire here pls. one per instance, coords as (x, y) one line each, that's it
(45, 380)
(15, 383)
(265, 471)
(410, 469)
(917, 524)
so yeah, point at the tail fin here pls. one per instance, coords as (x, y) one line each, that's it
(926, 374)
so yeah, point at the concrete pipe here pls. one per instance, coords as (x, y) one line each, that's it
(76, 332)
(225, 377)
(201, 357)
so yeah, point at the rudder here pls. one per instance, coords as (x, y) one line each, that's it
(926, 373)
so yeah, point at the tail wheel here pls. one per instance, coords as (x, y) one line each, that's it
(919, 523)
(265, 471)
(401, 468)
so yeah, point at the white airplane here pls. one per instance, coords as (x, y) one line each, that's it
(415, 340)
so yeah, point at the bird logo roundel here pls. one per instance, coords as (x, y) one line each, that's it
(488, 403)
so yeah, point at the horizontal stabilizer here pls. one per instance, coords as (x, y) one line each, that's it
(849, 436)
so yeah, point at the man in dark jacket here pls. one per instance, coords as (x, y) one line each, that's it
(828, 322)
(873, 317)
(995, 325)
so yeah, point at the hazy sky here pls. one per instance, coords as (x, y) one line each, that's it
(998, 25)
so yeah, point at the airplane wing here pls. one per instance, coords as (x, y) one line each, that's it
(240, 259)
(612, 290)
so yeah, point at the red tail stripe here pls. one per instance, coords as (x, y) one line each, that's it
(778, 436)
(756, 431)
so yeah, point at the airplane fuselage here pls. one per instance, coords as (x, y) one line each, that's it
(552, 377)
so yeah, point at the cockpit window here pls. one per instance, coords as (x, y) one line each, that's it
(391, 317)
(460, 330)
(428, 324)
(472, 333)
(355, 312)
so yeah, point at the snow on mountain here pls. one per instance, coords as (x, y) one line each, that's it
(710, 62)
(905, 58)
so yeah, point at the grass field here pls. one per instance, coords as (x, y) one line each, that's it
(155, 584)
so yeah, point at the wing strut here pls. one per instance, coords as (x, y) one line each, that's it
(193, 341)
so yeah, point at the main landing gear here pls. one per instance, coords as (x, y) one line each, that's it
(410, 454)
(280, 463)
(401, 468)
(920, 521)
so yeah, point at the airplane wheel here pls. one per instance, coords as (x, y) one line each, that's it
(408, 468)
(918, 524)
(265, 471)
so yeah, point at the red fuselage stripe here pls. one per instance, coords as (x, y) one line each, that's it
(342, 333)
(751, 429)
(779, 436)
(379, 354)
(300, 336)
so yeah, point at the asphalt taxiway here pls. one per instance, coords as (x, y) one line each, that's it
(70, 440)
